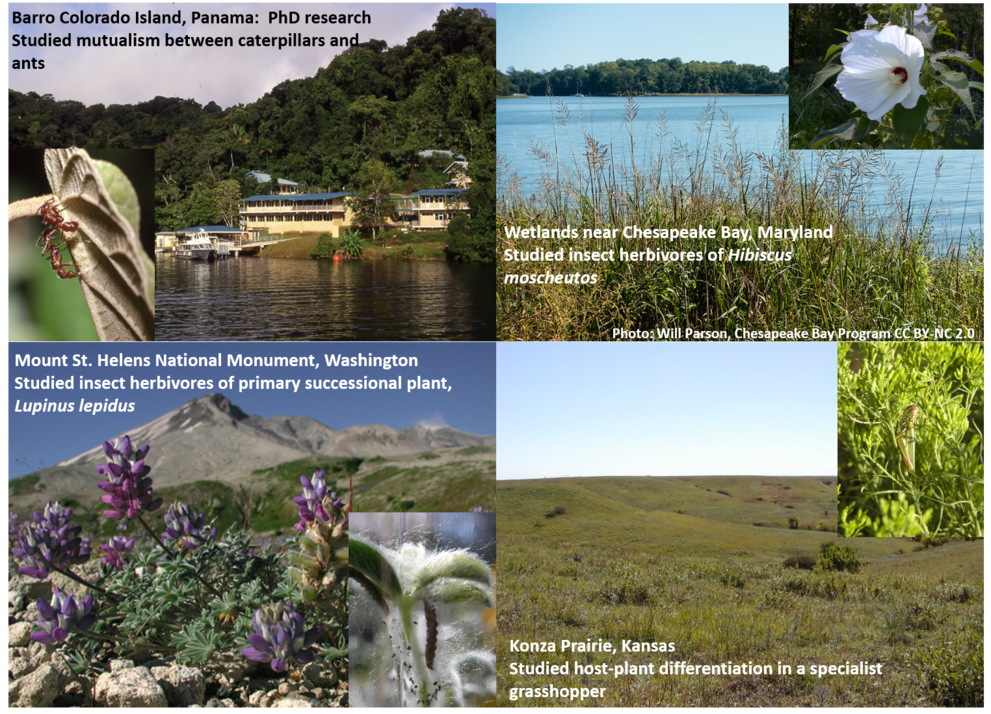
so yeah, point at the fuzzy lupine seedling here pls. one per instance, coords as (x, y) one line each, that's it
(280, 637)
(411, 585)
(50, 543)
(65, 614)
(128, 490)
(185, 527)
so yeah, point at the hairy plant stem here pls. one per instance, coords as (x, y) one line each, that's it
(406, 613)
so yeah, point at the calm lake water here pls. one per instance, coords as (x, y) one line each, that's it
(284, 299)
(957, 196)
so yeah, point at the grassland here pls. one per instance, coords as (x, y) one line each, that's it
(675, 560)
(885, 265)
(452, 480)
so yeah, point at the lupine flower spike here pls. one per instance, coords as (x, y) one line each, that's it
(65, 614)
(185, 528)
(128, 491)
(115, 549)
(49, 542)
(280, 637)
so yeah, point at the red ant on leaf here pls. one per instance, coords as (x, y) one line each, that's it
(52, 217)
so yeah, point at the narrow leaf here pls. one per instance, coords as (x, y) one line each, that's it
(823, 75)
(844, 131)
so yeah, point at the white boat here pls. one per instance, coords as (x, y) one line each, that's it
(201, 249)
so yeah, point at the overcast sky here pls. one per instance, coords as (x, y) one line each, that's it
(666, 409)
(227, 76)
(542, 37)
(41, 440)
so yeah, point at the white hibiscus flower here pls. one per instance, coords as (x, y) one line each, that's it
(880, 70)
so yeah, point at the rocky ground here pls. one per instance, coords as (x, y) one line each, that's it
(41, 675)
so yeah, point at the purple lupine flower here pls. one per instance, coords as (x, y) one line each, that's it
(50, 542)
(311, 502)
(128, 491)
(280, 637)
(185, 528)
(115, 549)
(13, 524)
(65, 614)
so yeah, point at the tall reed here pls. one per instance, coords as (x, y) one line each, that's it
(886, 265)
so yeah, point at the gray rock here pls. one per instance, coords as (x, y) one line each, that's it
(129, 687)
(228, 668)
(116, 665)
(255, 698)
(64, 669)
(22, 590)
(183, 686)
(321, 675)
(40, 652)
(286, 688)
(36, 689)
(20, 666)
(20, 634)
(221, 703)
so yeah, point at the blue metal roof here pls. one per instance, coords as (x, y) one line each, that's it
(298, 197)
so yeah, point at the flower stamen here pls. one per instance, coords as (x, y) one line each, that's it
(898, 76)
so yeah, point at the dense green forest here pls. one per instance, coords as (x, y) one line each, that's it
(644, 76)
(371, 105)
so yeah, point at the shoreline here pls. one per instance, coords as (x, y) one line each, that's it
(637, 96)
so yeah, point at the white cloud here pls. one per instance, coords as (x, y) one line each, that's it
(226, 76)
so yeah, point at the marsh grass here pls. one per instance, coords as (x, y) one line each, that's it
(885, 266)
(720, 593)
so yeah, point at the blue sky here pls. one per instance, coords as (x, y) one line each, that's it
(45, 439)
(227, 76)
(666, 409)
(542, 37)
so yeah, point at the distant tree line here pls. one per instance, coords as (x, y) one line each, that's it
(644, 76)
(371, 105)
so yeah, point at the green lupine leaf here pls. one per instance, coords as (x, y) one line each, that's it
(454, 564)
(370, 560)
(450, 591)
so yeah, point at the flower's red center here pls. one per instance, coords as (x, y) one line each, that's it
(899, 75)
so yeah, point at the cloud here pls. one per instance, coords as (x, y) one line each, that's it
(227, 76)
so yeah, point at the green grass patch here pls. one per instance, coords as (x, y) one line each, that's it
(23, 485)
(720, 591)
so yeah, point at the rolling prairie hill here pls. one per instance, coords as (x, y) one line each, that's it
(745, 517)
(673, 560)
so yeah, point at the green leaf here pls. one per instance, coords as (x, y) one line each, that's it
(450, 591)
(453, 564)
(908, 123)
(823, 75)
(833, 49)
(960, 57)
(121, 192)
(958, 82)
(370, 560)
(116, 283)
(844, 131)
